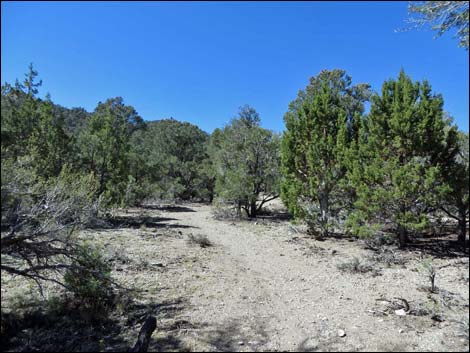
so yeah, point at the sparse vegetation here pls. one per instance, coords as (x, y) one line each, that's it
(355, 265)
(199, 239)
(429, 270)
(388, 257)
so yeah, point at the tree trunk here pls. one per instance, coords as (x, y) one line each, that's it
(103, 172)
(253, 209)
(324, 206)
(403, 236)
(462, 225)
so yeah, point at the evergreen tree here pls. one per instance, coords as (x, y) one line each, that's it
(170, 155)
(19, 114)
(400, 155)
(321, 124)
(49, 146)
(247, 162)
(104, 146)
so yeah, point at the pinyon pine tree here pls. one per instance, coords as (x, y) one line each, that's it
(320, 126)
(399, 160)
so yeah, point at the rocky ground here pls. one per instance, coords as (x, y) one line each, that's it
(265, 285)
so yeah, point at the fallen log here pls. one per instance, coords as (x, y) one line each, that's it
(145, 333)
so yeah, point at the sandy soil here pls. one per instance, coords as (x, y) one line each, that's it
(264, 286)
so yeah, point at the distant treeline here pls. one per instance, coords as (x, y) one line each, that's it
(336, 167)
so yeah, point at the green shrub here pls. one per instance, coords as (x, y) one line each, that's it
(89, 280)
(428, 269)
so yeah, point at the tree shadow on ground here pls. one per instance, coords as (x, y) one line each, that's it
(276, 216)
(136, 221)
(169, 326)
(441, 246)
(237, 334)
(58, 332)
(168, 208)
(43, 330)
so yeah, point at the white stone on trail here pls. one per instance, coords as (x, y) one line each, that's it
(400, 312)
(341, 333)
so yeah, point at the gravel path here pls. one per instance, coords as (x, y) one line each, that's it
(259, 289)
(262, 286)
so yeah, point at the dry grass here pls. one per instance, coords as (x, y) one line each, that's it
(199, 239)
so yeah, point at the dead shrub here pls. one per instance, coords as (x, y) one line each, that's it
(355, 265)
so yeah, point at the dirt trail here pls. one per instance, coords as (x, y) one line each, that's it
(263, 286)
(258, 289)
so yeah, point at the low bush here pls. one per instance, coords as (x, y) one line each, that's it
(200, 239)
(387, 257)
(357, 266)
(89, 280)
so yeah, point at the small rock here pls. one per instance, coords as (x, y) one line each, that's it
(400, 312)
(281, 254)
(401, 330)
(341, 333)
(333, 252)
(241, 343)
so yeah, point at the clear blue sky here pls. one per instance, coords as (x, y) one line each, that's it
(199, 62)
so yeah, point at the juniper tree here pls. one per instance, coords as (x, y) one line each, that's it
(104, 146)
(400, 155)
(19, 114)
(49, 145)
(247, 162)
(321, 124)
(171, 155)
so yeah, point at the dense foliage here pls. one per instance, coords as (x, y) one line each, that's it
(390, 171)
(320, 125)
(399, 159)
(170, 157)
